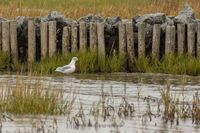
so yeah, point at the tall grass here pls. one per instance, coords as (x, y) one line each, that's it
(76, 8)
(33, 98)
(88, 63)
(4, 61)
(169, 64)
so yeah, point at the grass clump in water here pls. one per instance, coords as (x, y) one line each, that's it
(33, 98)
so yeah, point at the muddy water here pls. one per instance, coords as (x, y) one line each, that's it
(88, 90)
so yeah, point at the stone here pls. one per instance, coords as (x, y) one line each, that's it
(91, 18)
(185, 16)
(156, 18)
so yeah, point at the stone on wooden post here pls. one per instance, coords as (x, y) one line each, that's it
(181, 38)
(44, 39)
(198, 40)
(101, 41)
(191, 39)
(170, 40)
(74, 37)
(156, 41)
(122, 39)
(13, 41)
(82, 36)
(141, 39)
(5, 37)
(130, 44)
(93, 37)
(52, 38)
(66, 40)
(31, 42)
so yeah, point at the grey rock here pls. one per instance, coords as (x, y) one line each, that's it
(113, 20)
(168, 21)
(58, 17)
(157, 18)
(111, 24)
(22, 35)
(21, 21)
(91, 18)
(2, 19)
(185, 16)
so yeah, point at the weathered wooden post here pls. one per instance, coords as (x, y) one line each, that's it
(83, 36)
(5, 37)
(31, 42)
(170, 40)
(44, 39)
(130, 44)
(181, 38)
(191, 39)
(74, 37)
(13, 41)
(93, 37)
(122, 39)
(0, 37)
(101, 41)
(156, 41)
(66, 40)
(141, 39)
(198, 40)
(52, 38)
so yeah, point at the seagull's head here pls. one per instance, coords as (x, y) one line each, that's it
(75, 59)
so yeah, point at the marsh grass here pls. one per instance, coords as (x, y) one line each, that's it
(88, 63)
(5, 61)
(106, 8)
(169, 64)
(33, 98)
(176, 107)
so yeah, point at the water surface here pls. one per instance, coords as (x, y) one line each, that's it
(88, 90)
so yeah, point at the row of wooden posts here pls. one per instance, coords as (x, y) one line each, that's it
(75, 37)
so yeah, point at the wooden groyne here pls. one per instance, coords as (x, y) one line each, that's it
(178, 39)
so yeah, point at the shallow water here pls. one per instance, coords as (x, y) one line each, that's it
(88, 88)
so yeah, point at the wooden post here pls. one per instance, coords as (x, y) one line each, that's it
(130, 44)
(191, 39)
(31, 42)
(181, 38)
(13, 41)
(0, 37)
(170, 40)
(156, 41)
(122, 39)
(101, 41)
(141, 39)
(198, 41)
(52, 38)
(82, 36)
(66, 40)
(93, 37)
(5, 37)
(44, 39)
(74, 38)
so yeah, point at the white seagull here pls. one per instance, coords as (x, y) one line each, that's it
(70, 68)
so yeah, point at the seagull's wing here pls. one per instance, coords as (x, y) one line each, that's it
(63, 68)
(66, 67)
